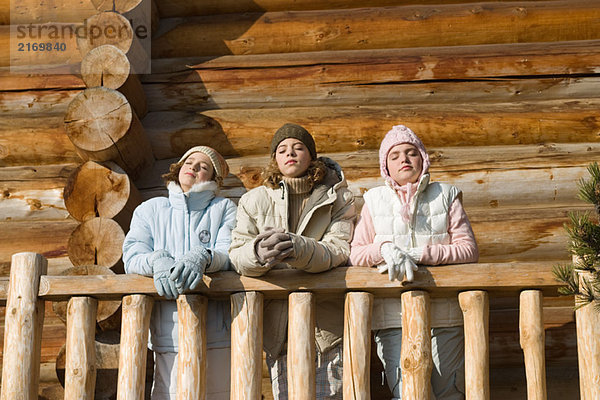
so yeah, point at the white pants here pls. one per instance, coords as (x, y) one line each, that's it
(164, 386)
(447, 351)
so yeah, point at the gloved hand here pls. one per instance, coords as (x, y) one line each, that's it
(399, 262)
(162, 262)
(394, 261)
(410, 267)
(188, 271)
(273, 245)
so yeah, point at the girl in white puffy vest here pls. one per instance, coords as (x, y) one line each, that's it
(412, 221)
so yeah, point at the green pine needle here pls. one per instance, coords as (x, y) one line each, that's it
(589, 190)
(567, 275)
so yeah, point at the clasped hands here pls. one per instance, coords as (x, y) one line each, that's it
(172, 278)
(397, 263)
(272, 246)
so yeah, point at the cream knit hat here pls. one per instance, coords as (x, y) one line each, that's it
(218, 162)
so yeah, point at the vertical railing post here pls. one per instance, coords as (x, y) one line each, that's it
(587, 321)
(532, 339)
(191, 364)
(476, 308)
(80, 359)
(246, 345)
(136, 312)
(23, 325)
(357, 345)
(415, 355)
(301, 369)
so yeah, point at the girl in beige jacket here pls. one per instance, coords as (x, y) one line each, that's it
(301, 218)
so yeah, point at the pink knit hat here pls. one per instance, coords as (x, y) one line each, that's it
(397, 135)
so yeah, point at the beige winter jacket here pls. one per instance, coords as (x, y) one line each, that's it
(321, 242)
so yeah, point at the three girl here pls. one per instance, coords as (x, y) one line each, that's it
(412, 221)
(176, 240)
(302, 217)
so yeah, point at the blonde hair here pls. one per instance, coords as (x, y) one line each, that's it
(272, 175)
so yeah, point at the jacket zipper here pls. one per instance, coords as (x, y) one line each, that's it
(285, 207)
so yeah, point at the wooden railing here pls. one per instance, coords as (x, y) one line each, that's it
(29, 287)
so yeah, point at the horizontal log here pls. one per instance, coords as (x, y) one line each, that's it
(32, 11)
(32, 204)
(36, 102)
(382, 65)
(34, 174)
(243, 132)
(31, 128)
(272, 94)
(500, 278)
(376, 28)
(16, 51)
(33, 192)
(48, 238)
(182, 8)
(34, 140)
(63, 80)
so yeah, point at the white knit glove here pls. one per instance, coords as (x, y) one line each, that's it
(399, 262)
(394, 261)
(410, 267)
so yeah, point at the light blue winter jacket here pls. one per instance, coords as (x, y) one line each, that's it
(178, 224)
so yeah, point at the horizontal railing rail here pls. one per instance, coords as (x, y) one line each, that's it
(439, 280)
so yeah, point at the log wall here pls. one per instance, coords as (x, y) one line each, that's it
(504, 94)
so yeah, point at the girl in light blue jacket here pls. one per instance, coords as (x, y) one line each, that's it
(176, 240)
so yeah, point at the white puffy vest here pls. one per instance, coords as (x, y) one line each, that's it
(429, 225)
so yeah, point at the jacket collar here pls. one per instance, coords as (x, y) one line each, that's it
(198, 198)
(325, 192)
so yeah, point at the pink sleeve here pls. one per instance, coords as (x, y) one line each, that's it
(462, 247)
(362, 249)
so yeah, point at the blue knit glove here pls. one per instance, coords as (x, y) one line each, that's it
(188, 271)
(162, 262)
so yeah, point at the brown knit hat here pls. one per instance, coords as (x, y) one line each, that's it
(296, 132)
